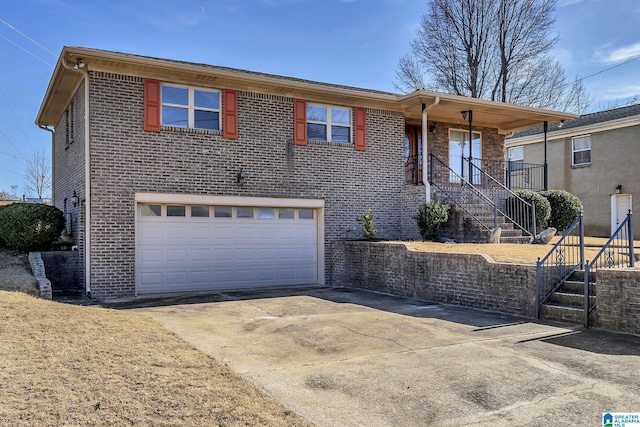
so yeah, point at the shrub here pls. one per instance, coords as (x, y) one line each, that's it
(368, 232)
(543, 209)
(565, 208)
(430, 217)
(27, 227)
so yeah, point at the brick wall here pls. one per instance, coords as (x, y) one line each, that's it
(412, 197)
(618, 300)
(464, 279)
(126, 160)
(63, 270)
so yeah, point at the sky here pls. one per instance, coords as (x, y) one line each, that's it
(349, 42)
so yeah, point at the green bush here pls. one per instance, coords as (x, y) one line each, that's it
(543, 209)
(430, 217)
(565, 208)
(368, 232)
(29, 227)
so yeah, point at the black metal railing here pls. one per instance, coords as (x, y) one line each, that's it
(513, 174)
(617, 252)
(515, 209)
(467, 197)
(413, 170)
(560, 263)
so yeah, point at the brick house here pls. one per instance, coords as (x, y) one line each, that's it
(178, 176)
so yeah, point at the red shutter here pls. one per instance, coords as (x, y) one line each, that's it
(300, 122)
(152, 105)
(230, 114)
(361, 129)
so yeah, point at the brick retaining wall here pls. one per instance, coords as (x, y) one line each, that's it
(474, 281)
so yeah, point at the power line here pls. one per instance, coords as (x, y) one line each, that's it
(17, 121)
(16, 173)
(11, 155)
(23, 67)
(25, 50)
(19, 91)
(28, 38)
(602, 71)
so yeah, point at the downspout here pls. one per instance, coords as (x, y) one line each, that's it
(425, 151)
(87, 177)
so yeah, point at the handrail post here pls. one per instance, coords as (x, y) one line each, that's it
(632, 257)
(538, 286)
(582, 262)
(533, 212)
(495, 215)
(586, 295)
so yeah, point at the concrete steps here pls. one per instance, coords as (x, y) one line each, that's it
(567, 303)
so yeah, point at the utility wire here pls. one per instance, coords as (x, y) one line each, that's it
(11, 155)
(603, 71)
(28, 38)
(19, 91)
(23, 67)
(25, 50)
(17, 121)
(16, 173)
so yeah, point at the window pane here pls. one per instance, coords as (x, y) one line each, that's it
(582, 143)
(316, 113)
(341, 116)
(206, 120)
(222, 212)
(305, 213)
(516, 153)
(245, 212)
(200, 211)
(266, 213)
(204, 98)
(317, 132)
(176, 210)
(582, 157)
(173, 116)
(286, 213)
(175, 95)
(340, 134)
(150, 210)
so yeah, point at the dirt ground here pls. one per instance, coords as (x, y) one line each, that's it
(87, 366)
(15, 274)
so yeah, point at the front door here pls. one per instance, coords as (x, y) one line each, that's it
(620, 206)
(413, 154)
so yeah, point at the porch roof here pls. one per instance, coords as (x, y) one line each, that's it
(505, 117)
(64, 83)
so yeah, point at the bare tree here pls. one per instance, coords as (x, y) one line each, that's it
(491, 49)
(38, 174)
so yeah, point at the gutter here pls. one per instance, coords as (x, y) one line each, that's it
(425, 150)
(87, 176)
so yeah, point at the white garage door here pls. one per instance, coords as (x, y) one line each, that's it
(189, 247)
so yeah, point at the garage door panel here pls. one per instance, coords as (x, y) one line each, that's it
(180, 253)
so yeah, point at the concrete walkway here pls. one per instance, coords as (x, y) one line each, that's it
(351, 358)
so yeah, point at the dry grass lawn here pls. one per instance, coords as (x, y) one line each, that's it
(85, 366)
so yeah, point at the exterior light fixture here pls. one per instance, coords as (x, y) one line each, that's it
(465, 113)
(432, 128)
(560, 124)
(618, 188)
(79, 64)
(74, 199)
(241, 177)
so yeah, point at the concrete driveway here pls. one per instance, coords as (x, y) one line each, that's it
(351, 358)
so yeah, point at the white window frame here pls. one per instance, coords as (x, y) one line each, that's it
(457, 164)
(574, 151)
(191, 108)
(516, 164)
(329, 124)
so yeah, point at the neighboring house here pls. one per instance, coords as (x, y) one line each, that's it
(594, 157)
(179, 176)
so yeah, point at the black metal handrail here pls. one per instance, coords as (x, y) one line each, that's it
(515, 175)
(617, 251)
(468, 198)
(560, 263)
(515, 209)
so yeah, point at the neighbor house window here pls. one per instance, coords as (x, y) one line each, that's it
(190, 107)
(581, 150)
(516, 158)
(327, 123)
